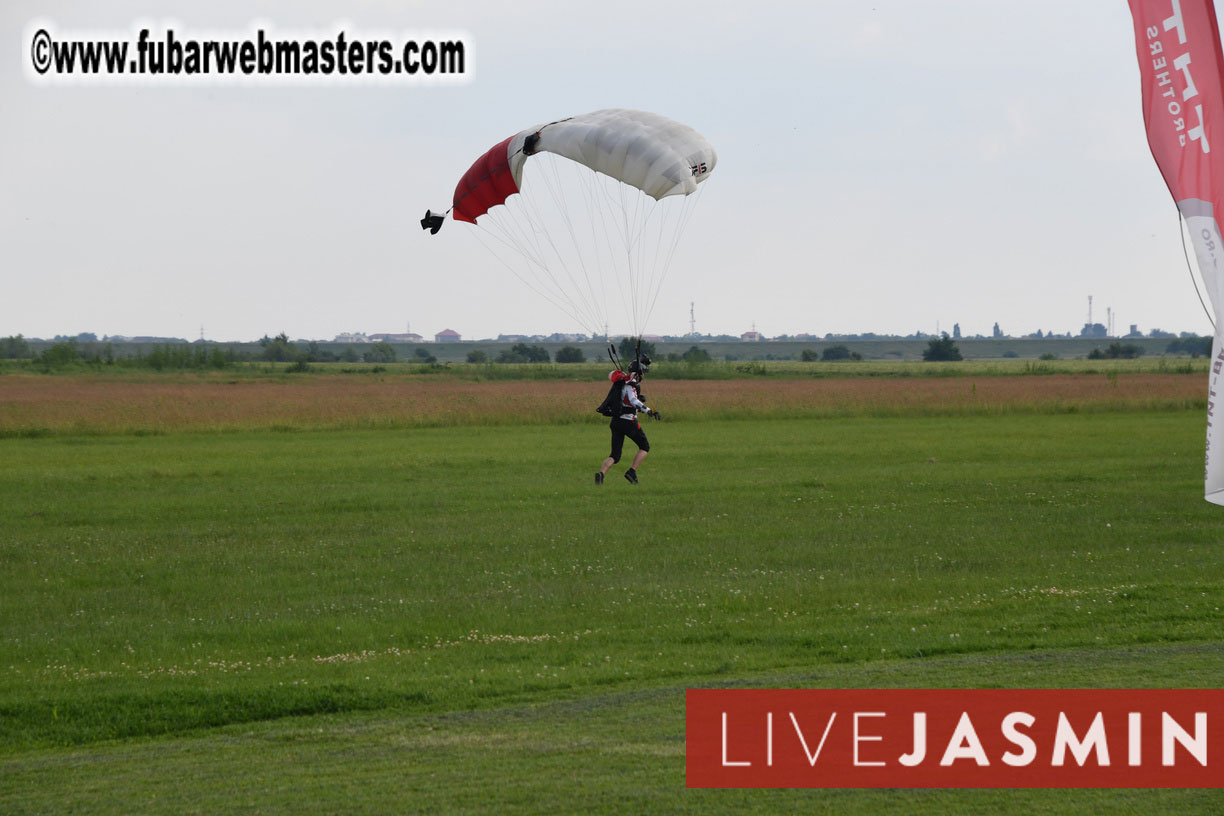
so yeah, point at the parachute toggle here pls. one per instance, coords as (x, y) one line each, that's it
(432, 222)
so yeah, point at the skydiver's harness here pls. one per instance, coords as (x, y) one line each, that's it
(614, 404)
(611, 406)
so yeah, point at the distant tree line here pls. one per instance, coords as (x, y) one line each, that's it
(86, 350)
(831, 354)
(521, 353)
(15, 348)
(71, 353)
(942, 349)
(1117, 351)
(1194, 346)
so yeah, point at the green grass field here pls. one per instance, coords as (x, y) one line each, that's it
(455, 619)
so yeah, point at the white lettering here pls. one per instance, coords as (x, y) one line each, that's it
(1198, 133)
(769, 739)
(813, 757)
(916, 756)
(1175, 21)
(1065, 737)
(1182, 64)
(1171, 732)
(1134, 748)
(726, 762)
(964, 744)
(1028, 748)
(857, 738)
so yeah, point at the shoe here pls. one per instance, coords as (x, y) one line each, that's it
(631, 475)
(598, 478)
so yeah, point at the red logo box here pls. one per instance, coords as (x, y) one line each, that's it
(954, 738)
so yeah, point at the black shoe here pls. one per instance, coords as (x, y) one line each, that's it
(598, 478)
(631, 475)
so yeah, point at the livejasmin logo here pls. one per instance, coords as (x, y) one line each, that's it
(954, 738)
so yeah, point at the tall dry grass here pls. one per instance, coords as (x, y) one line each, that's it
(34, 405)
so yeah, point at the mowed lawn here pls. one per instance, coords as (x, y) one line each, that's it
(457, 618)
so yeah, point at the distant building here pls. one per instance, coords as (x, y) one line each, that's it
(751, 337)
(351, 337)
(403, 337)
(447, 336)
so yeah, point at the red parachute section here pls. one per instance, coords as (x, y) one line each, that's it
(487, 183)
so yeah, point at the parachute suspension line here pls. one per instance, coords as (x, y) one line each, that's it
(501, 232)
(610, 207)
(585, 185)
(663, 258)
(518, 234)
(1190, 269)
(593, 258)
(589, 310)
(597, 214)
(632, 218)
(659, 261)
(601, 205)
(647, 265)
(631, 280)
(630, 268)
(617, 215)
(684, 214)
(641, 215)
(583, 289)
(552, 185)
(520, 246)
(529, 284)
(659, 267)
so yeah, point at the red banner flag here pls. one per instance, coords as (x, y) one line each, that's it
(1178, 45)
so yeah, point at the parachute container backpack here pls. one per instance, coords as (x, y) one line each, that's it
(588, 211)
(611, 406)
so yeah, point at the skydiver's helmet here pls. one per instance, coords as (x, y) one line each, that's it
(640, 366)
(617, 376)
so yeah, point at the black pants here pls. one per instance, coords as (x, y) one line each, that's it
(622, 428)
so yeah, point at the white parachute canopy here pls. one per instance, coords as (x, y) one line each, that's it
(588, 212)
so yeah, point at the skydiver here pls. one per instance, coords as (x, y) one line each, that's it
(624, 418)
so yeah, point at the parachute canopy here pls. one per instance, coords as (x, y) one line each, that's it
(596, 220)
(644, 150)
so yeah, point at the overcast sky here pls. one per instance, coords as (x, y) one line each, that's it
(887, 165)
